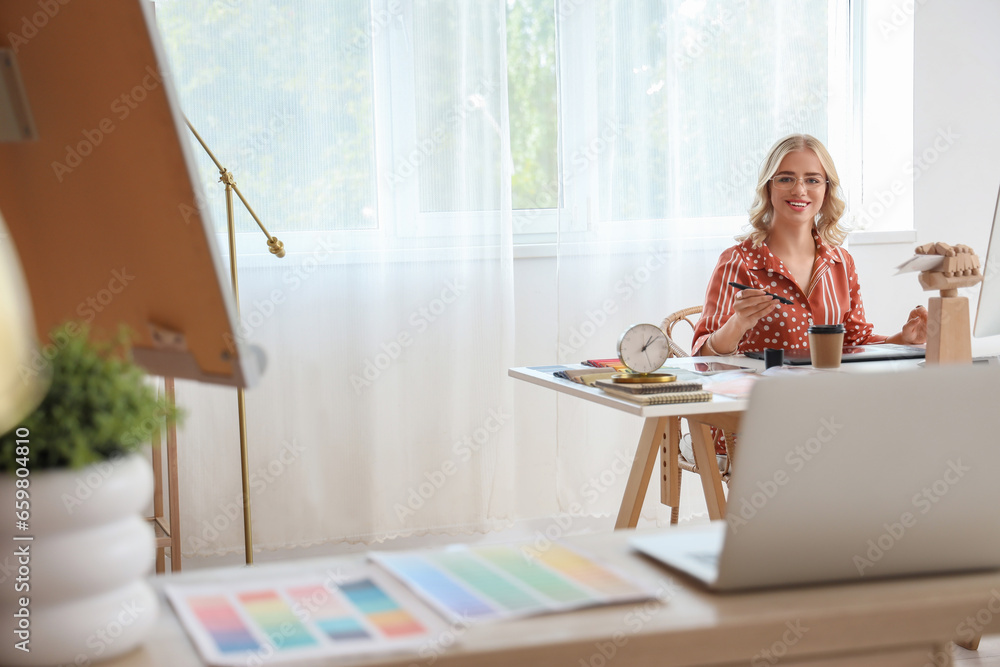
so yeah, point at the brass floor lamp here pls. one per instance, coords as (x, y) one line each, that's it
(277, 248)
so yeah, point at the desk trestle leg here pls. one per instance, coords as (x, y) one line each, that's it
(642, 469)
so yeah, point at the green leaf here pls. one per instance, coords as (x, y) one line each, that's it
(98, 406)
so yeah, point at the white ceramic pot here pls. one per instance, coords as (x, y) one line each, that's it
(83, 578)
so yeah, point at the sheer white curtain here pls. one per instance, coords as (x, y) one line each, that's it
(372, 138)
(666, 111)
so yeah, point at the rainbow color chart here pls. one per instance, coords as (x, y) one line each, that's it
(256, 622)
(505, 581)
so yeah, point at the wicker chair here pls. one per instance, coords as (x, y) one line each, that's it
(670, 484)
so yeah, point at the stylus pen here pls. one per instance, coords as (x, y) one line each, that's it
(787, 302)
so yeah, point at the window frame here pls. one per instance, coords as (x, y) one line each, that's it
(395, 133)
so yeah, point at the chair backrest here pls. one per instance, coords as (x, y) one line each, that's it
(690, 317)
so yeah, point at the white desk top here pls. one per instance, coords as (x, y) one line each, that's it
(545, 378)
(595, 395)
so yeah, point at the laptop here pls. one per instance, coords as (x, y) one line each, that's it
(879, 352)
(850, 477)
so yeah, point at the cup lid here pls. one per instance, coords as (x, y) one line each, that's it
(826, 328)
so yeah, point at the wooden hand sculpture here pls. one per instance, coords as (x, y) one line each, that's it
(949, 339)
(960, 268)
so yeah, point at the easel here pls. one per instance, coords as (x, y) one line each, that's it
(126, 224)
(167, 528)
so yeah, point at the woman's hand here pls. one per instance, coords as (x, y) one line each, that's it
(915, 330)
(749, 306)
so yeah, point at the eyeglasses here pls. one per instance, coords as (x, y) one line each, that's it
(788, 182)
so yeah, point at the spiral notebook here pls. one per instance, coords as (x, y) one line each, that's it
(661, 398)
(648, 387)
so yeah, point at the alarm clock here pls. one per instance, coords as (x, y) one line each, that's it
(643, 349)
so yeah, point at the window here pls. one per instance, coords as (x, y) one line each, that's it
(347, 116)
(675, 104)
(531, 76)
(282, 93)
(886, 165)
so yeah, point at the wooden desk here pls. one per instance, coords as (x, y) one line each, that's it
(660, 422)
(879, 623)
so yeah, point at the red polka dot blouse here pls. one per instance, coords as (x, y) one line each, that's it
(834, 297)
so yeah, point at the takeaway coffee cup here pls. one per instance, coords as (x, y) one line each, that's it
(826, 342)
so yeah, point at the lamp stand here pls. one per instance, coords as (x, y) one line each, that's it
(277, 248)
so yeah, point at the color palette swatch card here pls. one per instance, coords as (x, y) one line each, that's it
(278, 620)
(481, 583)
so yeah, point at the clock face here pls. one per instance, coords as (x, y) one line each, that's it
(643, 348)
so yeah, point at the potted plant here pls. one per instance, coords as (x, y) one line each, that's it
(71, 476)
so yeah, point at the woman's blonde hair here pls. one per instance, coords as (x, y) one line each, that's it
(762, 211)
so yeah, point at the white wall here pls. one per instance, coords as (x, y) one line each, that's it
(956, 71)
(956, 140)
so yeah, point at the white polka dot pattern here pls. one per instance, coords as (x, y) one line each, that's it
(834, 297)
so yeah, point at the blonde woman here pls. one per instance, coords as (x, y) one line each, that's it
(792, 250)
